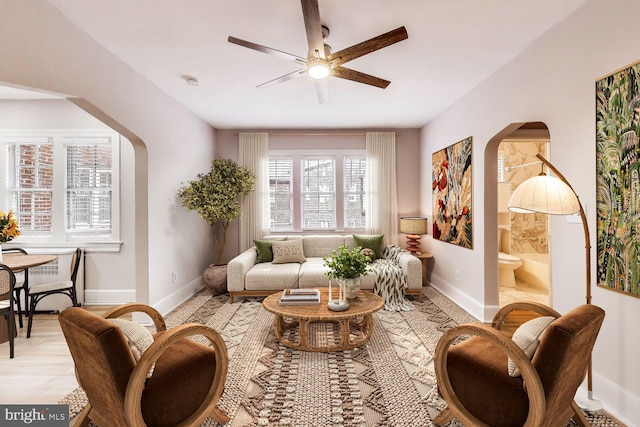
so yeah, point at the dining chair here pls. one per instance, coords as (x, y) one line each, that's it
(22, 283)
(7, 284)
(36, 293)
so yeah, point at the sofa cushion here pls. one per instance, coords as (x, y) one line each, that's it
(321, 246)
(272, 277)
(288, 251)
(374, 242)
(368, 281)
(312, 274)
(264, 250)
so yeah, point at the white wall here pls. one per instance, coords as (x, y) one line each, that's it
(40, 49)
(553, 82)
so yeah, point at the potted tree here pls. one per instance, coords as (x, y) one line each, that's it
(215, 197)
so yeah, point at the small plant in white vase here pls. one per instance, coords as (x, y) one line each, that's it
(347, 265)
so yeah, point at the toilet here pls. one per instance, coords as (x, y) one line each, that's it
(507, 263)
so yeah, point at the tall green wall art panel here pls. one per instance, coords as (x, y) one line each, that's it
(618, 180)
(452, 191)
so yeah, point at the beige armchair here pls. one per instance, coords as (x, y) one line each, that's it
(185, 385)
(473, 376)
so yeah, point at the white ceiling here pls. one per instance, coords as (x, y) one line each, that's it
(452, 47)
(7, 92)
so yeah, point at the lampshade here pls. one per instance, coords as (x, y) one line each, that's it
(544, 194)
(413, 225)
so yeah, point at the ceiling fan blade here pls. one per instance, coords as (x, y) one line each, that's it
(357, 76)
(371, 45)
(322, 89)
(312, 24)
(284, 78)
(267, 50)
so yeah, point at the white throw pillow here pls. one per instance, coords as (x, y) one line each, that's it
(138, 337)
(287, 251)
(527, 338)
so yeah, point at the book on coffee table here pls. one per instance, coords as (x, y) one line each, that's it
(300, 297)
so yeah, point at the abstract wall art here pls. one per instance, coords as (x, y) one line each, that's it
(618, 180)
(452, 185)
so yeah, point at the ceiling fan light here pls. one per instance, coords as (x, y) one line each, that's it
(318, 70)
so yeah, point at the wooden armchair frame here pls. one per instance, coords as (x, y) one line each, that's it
(534, 388)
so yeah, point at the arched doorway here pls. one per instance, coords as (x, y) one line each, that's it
(523, 261)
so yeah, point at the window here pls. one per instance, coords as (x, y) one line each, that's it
(62, 185)
(354, 192)
(318, 194)
(311, 190)
(30, 183)
(88, 187)
(280, 193)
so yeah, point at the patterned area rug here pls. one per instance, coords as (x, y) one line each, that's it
(388, 382)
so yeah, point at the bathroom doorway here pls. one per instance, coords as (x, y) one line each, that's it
(524, 262)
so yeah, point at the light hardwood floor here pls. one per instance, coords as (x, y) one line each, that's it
(523, 292)
(42, 370)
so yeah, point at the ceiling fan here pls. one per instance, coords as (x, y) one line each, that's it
(320, 62)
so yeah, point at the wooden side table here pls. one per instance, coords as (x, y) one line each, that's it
(424, 258)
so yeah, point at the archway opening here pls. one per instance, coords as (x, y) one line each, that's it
(521, 268)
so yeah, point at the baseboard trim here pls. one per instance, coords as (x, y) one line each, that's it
(180, 295)
(109, 296)
(470, 305)
(123, 296)
(615, 400)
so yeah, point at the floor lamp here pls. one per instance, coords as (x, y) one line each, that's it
(555, 196)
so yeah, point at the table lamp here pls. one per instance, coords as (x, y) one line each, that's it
(413, 227)
(555, 196)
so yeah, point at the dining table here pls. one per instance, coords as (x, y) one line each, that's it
(18, 262)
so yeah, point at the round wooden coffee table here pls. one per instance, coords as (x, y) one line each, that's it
(356, 323)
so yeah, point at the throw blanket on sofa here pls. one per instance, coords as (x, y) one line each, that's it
(391, 280)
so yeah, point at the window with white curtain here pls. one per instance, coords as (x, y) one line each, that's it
(312, 190)
(62, 185)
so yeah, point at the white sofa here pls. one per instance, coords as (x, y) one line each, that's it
(246, 278)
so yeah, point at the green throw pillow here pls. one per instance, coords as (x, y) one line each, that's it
(264, 249)
(373, 242)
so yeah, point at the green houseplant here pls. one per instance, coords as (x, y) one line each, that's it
(347, 265)
(215, 197)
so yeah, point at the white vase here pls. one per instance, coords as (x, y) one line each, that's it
(351, 287)
(0, 252)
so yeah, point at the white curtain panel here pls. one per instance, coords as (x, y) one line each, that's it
(254, 154)
(382, 206)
